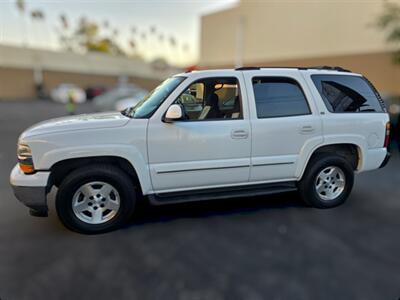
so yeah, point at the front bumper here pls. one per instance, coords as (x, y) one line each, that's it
(31, 190)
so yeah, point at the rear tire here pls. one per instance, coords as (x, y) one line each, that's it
(95, 199)
(327, 181)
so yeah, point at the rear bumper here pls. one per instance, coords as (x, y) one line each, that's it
(386, 160)
(373, 159)
(31, 190)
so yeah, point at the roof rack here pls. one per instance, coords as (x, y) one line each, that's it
(247, 68)
(328, 68)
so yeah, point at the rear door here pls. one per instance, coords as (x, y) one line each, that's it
(284, 122)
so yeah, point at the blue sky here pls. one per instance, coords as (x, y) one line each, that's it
(179, 18)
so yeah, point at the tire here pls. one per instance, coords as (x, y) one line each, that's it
(95, 199)
(321, 186)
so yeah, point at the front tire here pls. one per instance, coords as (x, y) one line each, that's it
(327, 181)
(95, 199)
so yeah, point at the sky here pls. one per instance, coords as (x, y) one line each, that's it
(178, 18)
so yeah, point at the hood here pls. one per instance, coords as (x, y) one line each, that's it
(78, 122)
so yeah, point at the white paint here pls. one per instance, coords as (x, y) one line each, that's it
(193, 155)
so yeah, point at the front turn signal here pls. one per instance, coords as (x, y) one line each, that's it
(27, 168)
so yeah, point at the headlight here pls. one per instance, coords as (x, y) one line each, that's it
(25, 161)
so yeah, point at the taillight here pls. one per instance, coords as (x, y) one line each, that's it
(387, 135)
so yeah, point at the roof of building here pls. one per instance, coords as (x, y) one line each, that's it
(90, 63)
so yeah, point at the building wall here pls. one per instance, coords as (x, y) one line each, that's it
(53, 78)
(16, 83)
(20, 66)
(377, 67)
(301, 33)
(278, 30)
(218, 38)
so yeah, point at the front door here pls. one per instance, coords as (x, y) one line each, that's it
(210, 147)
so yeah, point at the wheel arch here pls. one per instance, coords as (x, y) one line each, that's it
(352, 151)
(62, 168)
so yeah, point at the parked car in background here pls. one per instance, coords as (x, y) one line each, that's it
(94, 91)
(63, 92)
(107, 101)
(129, 102)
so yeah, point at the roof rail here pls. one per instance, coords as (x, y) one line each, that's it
(335, 68)
(247, 68)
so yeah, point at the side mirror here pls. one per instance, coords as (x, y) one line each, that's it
(174, 113)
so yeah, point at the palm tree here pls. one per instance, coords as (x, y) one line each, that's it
(173, 44)
(132, 45)
(21, 8)
(185, 49)
(37, 16)
(64, 38)
(153, 40)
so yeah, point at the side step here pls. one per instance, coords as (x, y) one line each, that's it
(222, 193)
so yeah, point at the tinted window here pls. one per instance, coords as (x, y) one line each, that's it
(279, 97)
(345, 93)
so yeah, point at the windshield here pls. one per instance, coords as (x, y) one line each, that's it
(146, 107)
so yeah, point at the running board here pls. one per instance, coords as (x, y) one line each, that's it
(222, 193)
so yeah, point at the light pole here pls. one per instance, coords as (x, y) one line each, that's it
(239, 52)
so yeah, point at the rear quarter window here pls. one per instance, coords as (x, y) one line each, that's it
(347, 93)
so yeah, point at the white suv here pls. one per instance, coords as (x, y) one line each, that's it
(207, 135)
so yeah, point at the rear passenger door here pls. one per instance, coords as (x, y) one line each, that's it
(284, 124)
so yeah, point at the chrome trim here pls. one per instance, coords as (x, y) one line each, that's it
(273, 164)
(202, 169)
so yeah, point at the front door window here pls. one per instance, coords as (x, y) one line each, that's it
(212, 99)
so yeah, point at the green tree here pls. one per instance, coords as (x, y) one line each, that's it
(87, 37)
(389, 21)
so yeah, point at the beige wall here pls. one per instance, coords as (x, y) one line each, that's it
(217, 38)
(278, 30)
(52, 79)
(17, 75)
(301, 33)
(377, 67)
(16, 83)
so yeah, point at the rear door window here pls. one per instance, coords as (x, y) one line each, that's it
(346, 93)
(279, 97)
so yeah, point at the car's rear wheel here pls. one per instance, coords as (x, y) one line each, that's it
(327, 181)
(95, 199)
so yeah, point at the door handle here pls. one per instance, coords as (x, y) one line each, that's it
(307, 129)
(239, 134)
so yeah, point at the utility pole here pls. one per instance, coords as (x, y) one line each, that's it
(239, 42)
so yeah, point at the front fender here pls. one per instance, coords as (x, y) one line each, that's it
(128, 152)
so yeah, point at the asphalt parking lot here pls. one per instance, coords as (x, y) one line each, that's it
(251, 248)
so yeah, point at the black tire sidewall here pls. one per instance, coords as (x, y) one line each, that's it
(307, 184)
(109, 174)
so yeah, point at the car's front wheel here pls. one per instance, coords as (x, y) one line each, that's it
(327, 181)
(95, 199)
